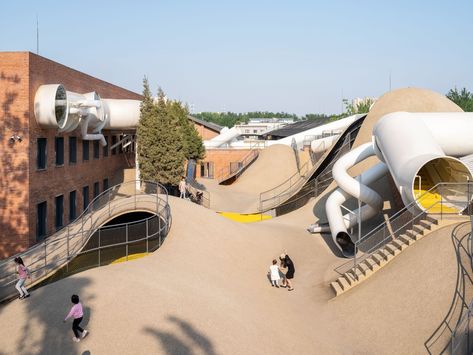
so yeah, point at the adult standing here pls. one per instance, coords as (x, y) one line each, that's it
(286, 262)
(23, 273)
(182, 187)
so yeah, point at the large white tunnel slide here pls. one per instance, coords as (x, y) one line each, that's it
(410, 145)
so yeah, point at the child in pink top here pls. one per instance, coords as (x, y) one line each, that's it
(77, 313)
(23, 273)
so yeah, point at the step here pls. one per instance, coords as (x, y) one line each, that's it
(364, 268)
(425, 223)
(407, 239)
(336, 287)
(392, 249)
(414, 235)
(342, 281)
(431, 219)
(378, 259)
(372, 263)
(399, 244)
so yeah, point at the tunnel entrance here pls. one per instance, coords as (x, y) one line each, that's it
(448, 197)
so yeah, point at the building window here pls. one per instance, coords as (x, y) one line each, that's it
(85, 150)
(105, 184)
(72, 205)
(96, 189)
(72, 150)
(85, 196)
(114, 141)
(59, 220)
(96, 150)
(105, 149)
(59, 147)
(207, 169)
(42, 212)
(41, 158)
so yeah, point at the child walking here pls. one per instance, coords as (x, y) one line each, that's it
(23, 273)
(274, 271)
(77, 313)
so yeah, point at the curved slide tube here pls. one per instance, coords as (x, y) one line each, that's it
(351, 187)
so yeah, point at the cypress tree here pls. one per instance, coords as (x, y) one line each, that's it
(160, 145)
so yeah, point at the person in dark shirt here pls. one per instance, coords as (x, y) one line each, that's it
(286, 262)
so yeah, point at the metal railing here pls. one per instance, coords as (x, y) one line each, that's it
(453, 333)
(454, 198)
(56, 251)
(198, 194)
(276, 196)
(236, 168)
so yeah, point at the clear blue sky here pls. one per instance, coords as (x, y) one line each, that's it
(294, 56)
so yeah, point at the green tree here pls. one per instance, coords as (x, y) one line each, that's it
(462, 98)
(161, 152)
(362, 107)
(192, 143)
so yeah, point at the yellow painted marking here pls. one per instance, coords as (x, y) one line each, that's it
(428, 199)
(245, 218)
(130, 257)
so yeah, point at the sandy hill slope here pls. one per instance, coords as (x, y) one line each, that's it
(206, 292)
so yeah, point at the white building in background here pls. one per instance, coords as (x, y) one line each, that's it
(258, 126)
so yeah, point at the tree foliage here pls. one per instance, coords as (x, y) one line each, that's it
(462, 98)
(362, 107)
(229, 119)
(161, 141)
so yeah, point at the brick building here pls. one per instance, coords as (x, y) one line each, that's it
(46, 178)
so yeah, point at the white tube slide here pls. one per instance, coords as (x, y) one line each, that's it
(63, 110)
(420, 149)
(223, 138)
(321, 145)
(339, 125)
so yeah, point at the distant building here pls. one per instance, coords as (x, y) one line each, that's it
(259, 126)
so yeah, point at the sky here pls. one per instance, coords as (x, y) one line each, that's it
(293, 56)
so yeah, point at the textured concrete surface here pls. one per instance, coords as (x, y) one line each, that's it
(206, 291)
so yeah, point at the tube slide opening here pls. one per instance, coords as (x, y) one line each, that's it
(433, 172)
(346, 244)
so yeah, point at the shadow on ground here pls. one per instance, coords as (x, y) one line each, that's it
(186, 340)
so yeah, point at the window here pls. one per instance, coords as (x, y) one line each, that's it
(72, 150)
(114, 141)
(72, 205)
(255, 131)
(59, 220)
(105, 149)
(59, 147)
(85, 196)
(85, 150)
(105, 184)
(207, 169)
(41, 213)
(41, 157)
(96, 189)
(96, 150)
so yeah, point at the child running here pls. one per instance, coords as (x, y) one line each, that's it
(274, 271)
(77, 313)
(23, 273)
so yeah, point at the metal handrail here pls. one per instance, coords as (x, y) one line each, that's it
(302, 177)
(227, 172)
(67, 243)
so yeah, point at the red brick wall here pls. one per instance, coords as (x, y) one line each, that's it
(22, 185)
(14, 116)
(204, 132)
(222, 158)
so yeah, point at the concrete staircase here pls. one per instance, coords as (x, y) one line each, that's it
(384, 255)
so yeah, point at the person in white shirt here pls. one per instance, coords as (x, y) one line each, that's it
(182, 187)
(274, 273)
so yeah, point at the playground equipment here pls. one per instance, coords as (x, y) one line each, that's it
(420, 150)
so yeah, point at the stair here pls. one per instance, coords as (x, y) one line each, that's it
(384, 255)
